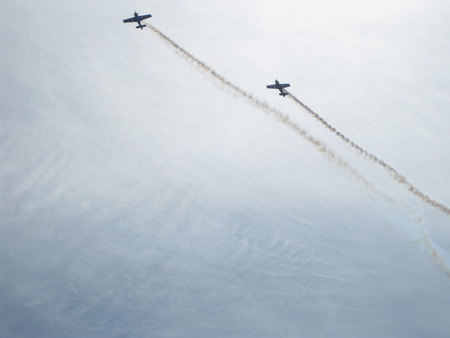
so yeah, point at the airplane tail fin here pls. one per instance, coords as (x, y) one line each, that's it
(141, 26)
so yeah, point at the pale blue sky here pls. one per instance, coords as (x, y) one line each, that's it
(141, 199)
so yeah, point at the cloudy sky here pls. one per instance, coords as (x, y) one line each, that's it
(142, 198)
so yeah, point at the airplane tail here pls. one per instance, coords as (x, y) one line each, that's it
(141, 26)
(283, 94)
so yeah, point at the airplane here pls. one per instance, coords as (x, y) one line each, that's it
(280, 87)
(138, 18)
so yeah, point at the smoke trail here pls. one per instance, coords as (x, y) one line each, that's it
(438, 255)
(391, 171)
(279, 116)
(434, 251)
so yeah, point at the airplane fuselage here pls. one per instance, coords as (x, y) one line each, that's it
(136, 17)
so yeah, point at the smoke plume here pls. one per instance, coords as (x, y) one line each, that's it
(391, 171)
(279, 116)
(422, 236)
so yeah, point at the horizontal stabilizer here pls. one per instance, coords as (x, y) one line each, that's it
(141, 26)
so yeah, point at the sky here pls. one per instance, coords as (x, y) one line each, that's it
(140, 197)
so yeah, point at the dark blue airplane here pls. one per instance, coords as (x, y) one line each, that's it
(280, 87)
(138, 18)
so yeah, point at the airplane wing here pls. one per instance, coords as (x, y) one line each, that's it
(143, 17)
(272, 86)
(284, 85)
(130, 20)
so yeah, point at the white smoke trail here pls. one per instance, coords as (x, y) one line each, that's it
(391, 171)
(279, 116)
(438, 255)
(434, 251)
